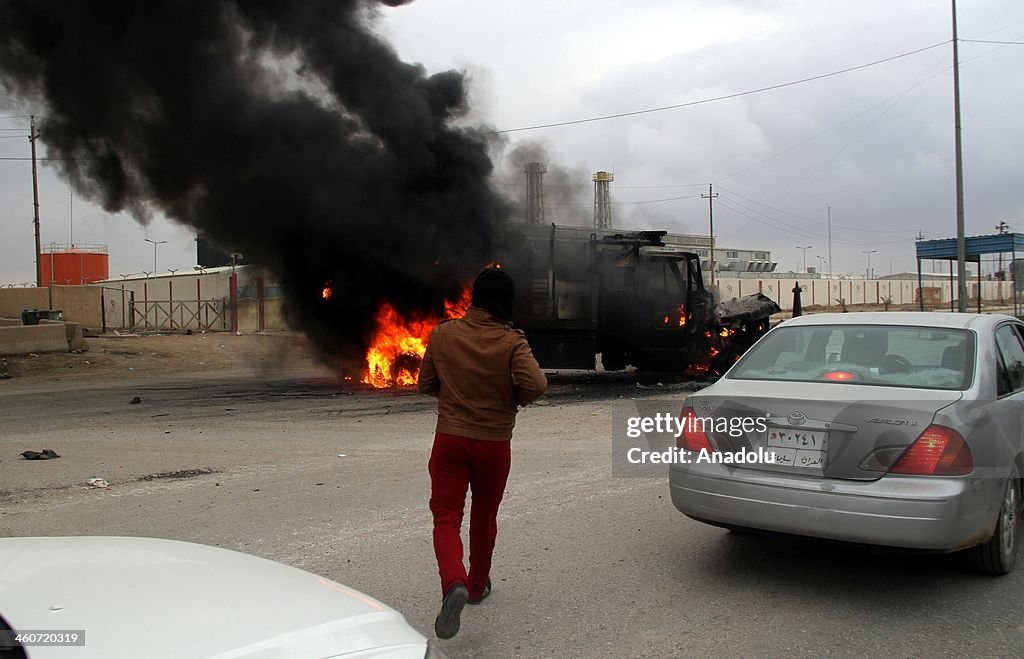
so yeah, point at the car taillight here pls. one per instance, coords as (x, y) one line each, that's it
(693, 437)
(939, 451)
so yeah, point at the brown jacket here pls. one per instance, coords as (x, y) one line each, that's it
(480, 369)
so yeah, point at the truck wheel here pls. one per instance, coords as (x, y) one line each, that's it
(998, 555)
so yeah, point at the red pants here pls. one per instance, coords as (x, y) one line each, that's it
(455, 464)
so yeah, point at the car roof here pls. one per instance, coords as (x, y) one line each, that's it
(946, 319)
(198, 600)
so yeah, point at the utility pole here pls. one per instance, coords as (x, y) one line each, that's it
(710, 196)
(1002, 228)
(869, 252)
(961, 240)
(33, 136)
(805, 254)
(155, 243)
(829, 242)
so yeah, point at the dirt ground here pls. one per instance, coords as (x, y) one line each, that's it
(140, 355)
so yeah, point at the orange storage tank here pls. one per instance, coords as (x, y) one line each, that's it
(73, 265)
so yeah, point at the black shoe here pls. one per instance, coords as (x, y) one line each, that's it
(446, 625)
(478, 600)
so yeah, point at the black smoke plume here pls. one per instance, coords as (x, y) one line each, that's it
(284, 129)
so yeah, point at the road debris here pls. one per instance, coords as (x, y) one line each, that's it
(182, 473)
(98, 483)
(45, 454)
(135, 401)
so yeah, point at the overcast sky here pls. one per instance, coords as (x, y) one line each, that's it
(875, 144)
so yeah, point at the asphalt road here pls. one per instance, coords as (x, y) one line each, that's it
(587, 564)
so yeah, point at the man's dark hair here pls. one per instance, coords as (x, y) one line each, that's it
(494, 291)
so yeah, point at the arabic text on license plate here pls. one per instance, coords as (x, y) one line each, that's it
(798, 448)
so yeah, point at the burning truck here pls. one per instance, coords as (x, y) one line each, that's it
(629, 297)
(580, 292)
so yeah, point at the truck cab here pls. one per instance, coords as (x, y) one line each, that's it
(627, 296)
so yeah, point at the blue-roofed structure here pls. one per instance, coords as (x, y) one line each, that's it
(945, 249)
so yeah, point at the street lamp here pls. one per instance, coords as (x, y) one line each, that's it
(805, 254)
(155, 243)
(173, 270)
(821, 260)
(869, 252)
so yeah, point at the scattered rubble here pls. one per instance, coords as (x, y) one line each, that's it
(182, 473)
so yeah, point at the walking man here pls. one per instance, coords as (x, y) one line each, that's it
(481, 371)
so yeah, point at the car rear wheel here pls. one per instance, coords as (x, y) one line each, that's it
(997, 556)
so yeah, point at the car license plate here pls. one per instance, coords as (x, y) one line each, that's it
(798, 448)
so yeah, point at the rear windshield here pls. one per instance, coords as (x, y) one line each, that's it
(912, 357)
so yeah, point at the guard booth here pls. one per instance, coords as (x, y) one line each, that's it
(1008, 245)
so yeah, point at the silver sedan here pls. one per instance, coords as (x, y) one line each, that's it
(894, 429)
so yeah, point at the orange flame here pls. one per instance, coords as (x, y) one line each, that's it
(398, 346)
(327, 291)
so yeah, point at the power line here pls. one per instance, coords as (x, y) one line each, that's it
(628, 203)
(808, 219)
(778, 225)
(657, 187)
(726, 96)
(1000, 29)
(1005, 43)
(896, 97)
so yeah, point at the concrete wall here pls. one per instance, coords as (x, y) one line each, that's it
(72, 333)
(46, 337)
(80, 304)
(828, 292)
(15, 300)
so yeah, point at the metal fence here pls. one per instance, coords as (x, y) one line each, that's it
(168, 315)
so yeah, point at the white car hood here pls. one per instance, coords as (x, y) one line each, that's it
(143, 597)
